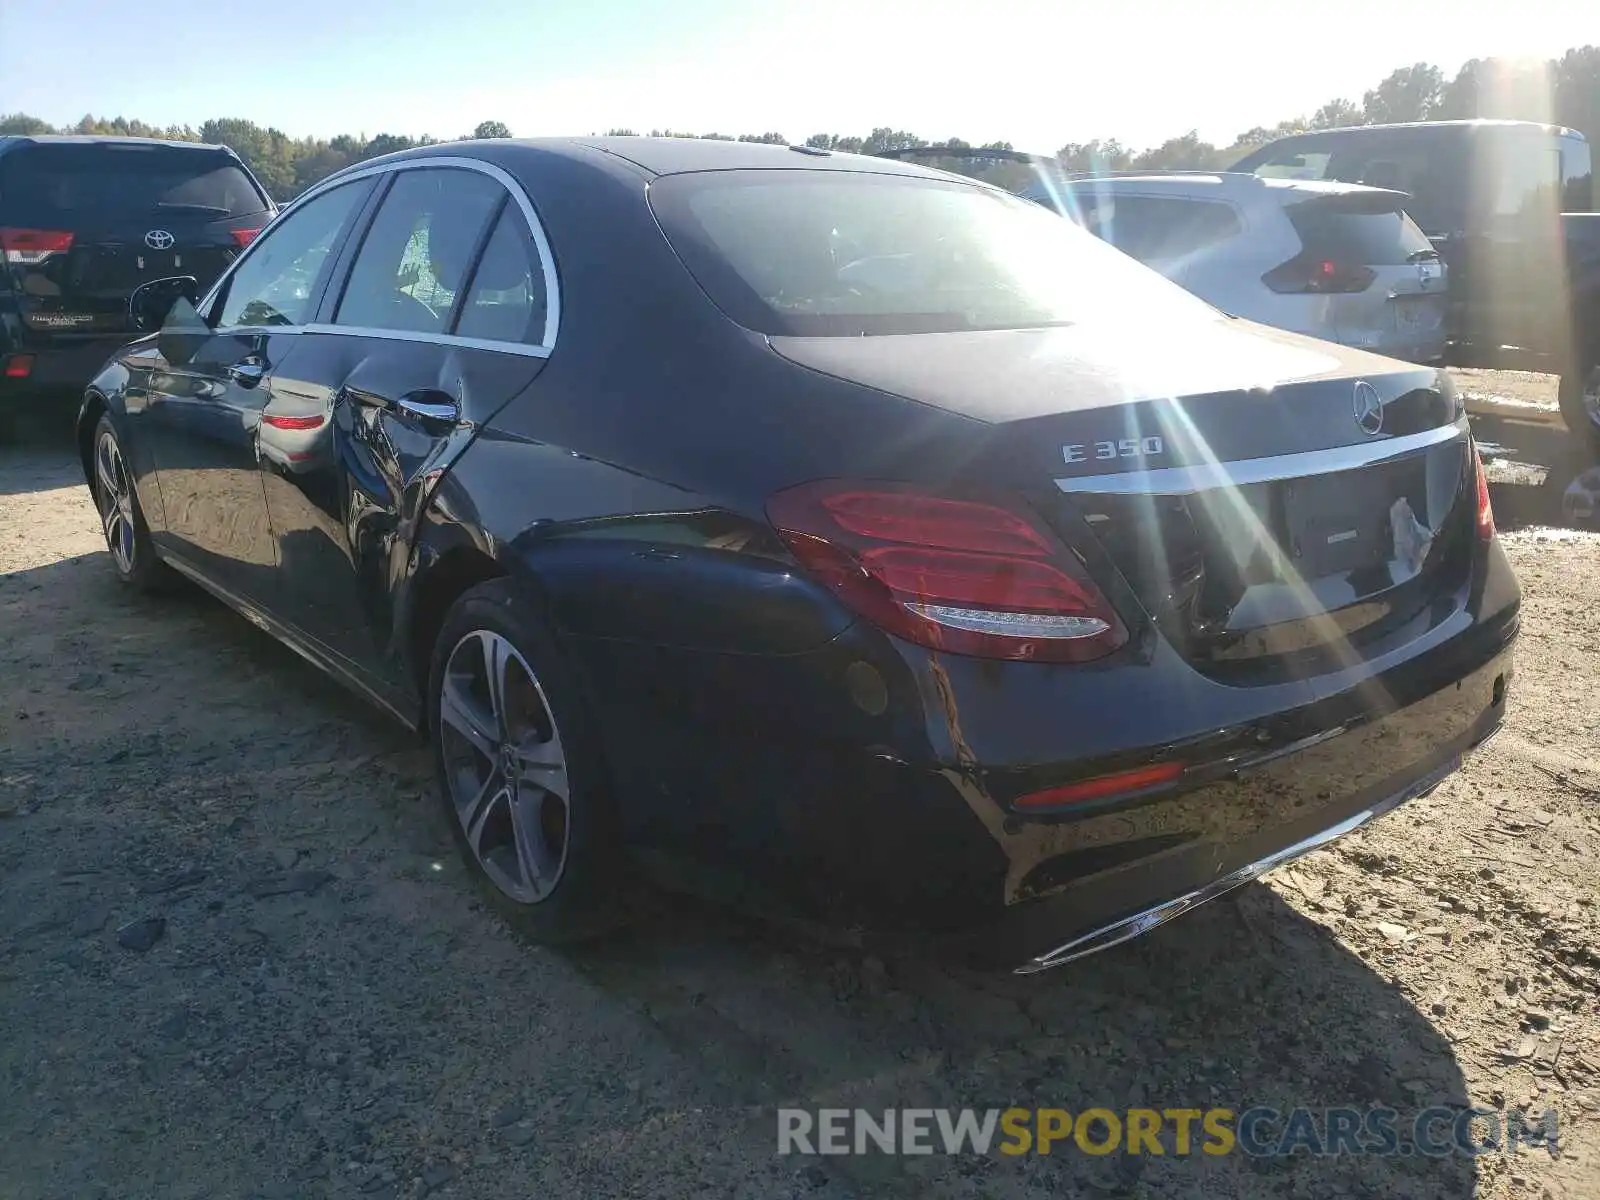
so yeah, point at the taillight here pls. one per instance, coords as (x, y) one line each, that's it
(245, 236)
(29, 246)
(1306, 273)
(1485, 509)
(19, 366)
(958, 575)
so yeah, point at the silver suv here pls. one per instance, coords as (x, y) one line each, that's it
(1338, 261)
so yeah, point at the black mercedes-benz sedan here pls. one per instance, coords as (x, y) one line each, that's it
(831, 534)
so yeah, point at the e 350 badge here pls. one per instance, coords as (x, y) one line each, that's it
(1135, 448)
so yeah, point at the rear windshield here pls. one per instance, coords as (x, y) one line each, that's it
(1383, 238)
(834, 253)
(44, 186)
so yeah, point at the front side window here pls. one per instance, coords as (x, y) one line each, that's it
(415, 257)
(276, 283)
(835, 253)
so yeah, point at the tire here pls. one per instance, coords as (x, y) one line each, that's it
(1580, 405)
(133, 555)
(549, 864)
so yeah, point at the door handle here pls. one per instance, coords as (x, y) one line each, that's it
(426, 404)
(429, 406)
(247, 372)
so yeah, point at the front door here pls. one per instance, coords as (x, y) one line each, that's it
(439, 325)
(204, 408)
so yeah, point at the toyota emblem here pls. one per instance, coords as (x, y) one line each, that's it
(159, 239)
(1368, 408)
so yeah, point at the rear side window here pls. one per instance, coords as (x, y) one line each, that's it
(505, 300)
(1160, 228)
(45, 186)
(1374, 237)
(415, 257)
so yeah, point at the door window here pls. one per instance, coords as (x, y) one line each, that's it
(415, 258)
(276, 283)
(506, 300)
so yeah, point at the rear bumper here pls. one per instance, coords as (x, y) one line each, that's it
(61, 364)
(1166, 887)
(793, 784)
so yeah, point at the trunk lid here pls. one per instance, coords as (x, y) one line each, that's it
(1275, 504)
(84, 224)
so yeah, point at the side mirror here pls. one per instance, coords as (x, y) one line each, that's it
(182, 333)
(151, 302)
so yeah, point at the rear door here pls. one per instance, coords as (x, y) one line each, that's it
(1383, 280)
(443, 319)
(85, 223)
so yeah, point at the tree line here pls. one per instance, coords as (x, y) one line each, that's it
(1564, 91)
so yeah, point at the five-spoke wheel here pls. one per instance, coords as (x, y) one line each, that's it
(504, 765)
(521, 769)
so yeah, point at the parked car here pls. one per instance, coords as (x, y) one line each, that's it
(1334, 261)
(1005, 592)
(1509, 204)
(86, 220)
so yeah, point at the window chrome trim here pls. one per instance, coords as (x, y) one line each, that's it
(1177, 481)
(432, 339)
(541, 245)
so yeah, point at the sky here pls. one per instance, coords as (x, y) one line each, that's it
(1037, 73)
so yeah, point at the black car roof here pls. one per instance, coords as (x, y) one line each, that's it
(655, 156)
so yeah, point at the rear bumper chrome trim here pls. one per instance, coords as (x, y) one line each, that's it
(1177, 481)
(1129, 928)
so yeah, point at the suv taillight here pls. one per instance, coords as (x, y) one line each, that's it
(29, 246)
(245, 236)
(960, 575)
(1307, 273)
(1485, 509)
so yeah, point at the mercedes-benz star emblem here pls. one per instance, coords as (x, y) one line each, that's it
(159, 239)
(1368, 408)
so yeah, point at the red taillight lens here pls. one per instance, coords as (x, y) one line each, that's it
(19, 366)
(282, 422)
(1485, 509)
(245, 236)
(1319, 276)
(33, 245)
(957, 575)
(1102, 787)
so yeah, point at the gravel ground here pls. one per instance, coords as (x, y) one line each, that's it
(237, 957)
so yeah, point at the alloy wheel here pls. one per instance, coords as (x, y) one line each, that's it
(116, 501)
(504, 766)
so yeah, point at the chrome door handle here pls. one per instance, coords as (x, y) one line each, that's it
(442, 409)
(247, 372)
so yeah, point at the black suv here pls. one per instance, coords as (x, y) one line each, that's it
(83, 222)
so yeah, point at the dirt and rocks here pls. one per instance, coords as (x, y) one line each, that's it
(238, 959)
